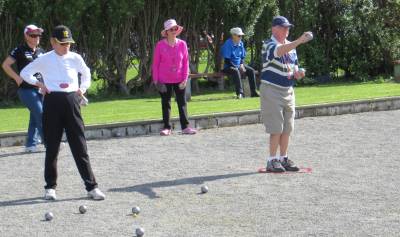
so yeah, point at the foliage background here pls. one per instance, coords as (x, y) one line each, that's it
(354, 39)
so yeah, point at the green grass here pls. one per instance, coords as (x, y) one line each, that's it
(132, 109)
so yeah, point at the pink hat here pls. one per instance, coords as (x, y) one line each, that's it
(170, 24)
(32, 28)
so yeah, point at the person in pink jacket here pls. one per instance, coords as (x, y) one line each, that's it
(170, 71)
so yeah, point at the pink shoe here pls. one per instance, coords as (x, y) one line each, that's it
(189, 131)
(165, 132)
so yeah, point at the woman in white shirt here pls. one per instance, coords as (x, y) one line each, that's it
(61, 108)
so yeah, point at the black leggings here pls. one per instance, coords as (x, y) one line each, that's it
(166, 105)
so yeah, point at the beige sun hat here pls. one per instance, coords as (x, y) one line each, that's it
(170, 24)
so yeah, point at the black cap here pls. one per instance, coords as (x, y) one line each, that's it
(62, 34)
(281, 21)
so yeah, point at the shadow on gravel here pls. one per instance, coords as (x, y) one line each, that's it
(148, 188)
(18, 153)
(36, 200)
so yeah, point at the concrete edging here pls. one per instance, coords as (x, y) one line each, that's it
(129, 129)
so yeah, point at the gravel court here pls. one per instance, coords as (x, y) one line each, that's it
(352, 191)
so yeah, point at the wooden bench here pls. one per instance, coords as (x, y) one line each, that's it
(214, 76)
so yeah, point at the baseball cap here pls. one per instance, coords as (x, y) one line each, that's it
(62, 34)
(29, 29)
(236, 31)
(281, 21)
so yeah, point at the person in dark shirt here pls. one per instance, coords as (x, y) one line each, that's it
(28, 94)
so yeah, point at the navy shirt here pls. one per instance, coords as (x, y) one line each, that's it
(278, 70)
(23, 55)
(235, 53)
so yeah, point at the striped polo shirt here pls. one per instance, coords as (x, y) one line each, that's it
(277, 70)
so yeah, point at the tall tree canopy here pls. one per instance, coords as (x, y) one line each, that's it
(359, 37)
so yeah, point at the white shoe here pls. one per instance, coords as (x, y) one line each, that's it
(30, 149)
(50, 194)
(62, 146)
(96, 194)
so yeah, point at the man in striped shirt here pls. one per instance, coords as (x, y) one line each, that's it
(280, 69)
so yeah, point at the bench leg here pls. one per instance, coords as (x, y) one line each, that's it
(196, 86)
(246, 86)
(188, 90)
(221, 83)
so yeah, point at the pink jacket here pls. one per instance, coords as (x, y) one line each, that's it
(170, 64)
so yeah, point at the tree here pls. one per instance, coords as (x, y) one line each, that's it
(262, 31)
(359, 37)
(114, 42)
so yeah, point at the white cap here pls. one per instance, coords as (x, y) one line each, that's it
(32, 28)
(236, 31)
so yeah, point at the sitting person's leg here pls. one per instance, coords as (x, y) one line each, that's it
(234, 73)
(251, 75)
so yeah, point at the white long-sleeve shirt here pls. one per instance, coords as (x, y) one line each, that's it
(60, 73)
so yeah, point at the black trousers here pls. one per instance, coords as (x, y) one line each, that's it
(236, 75)
(166, 105)
(62, 111)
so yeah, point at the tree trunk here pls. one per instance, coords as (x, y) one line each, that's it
(8, 89)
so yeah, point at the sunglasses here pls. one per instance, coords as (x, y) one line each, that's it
(173, 29)
(35, 36)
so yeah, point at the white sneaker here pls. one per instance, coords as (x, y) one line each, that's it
(96, 194)
(50, 194)
(62, 146)
(30, 149)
